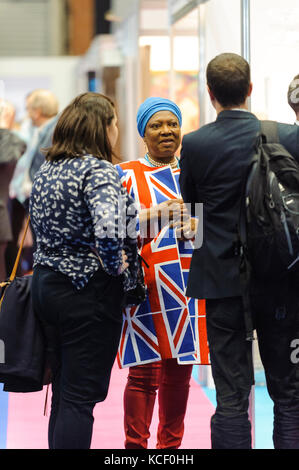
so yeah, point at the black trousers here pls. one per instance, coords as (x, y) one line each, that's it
(277, 326)
(82, 329)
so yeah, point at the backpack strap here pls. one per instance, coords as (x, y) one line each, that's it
(244, 266)
(269, 131)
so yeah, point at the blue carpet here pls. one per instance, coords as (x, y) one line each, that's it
(263, 418)
(3, 417)
(263, 411)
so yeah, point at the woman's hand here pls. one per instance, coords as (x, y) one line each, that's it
(171, 211)
(124, 264)
(186, 231)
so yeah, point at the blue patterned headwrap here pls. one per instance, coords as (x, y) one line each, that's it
(151, 106)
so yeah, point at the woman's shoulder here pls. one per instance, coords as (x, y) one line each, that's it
(89, 164)
(99, 171)
(92, 161)
(78, 167)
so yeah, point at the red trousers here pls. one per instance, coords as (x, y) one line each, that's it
(172, 382)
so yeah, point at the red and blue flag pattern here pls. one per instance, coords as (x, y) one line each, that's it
(168, 324)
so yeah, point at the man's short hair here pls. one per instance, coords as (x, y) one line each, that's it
(293, 94)
(44, 100)
(228, 77)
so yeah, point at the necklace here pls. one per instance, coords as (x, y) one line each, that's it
(174, 163)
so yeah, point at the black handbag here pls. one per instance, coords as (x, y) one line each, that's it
(137, 295)
(22, 361)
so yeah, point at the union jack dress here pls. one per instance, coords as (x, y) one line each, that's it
(167, 324)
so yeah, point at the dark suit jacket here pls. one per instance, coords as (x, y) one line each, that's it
(214, 160)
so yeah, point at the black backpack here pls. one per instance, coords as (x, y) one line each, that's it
(269, 215)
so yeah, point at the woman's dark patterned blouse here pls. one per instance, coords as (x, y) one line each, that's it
(80, 212)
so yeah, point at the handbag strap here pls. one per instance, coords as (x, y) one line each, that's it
(16, 263)
(15, 267)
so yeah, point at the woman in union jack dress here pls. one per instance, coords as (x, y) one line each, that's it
(165, 335)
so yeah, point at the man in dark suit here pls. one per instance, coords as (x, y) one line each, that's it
(214, 160)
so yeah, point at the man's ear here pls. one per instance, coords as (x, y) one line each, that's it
(250, 89)
(212, 97)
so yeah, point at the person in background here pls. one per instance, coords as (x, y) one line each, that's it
(293, 97)
(11, 149)
(158, 334)
(214, 163)
(42, 108)
(79, 209)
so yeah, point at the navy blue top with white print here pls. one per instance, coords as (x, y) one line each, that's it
(75, 213)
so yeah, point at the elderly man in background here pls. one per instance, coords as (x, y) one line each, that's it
(42, 108)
